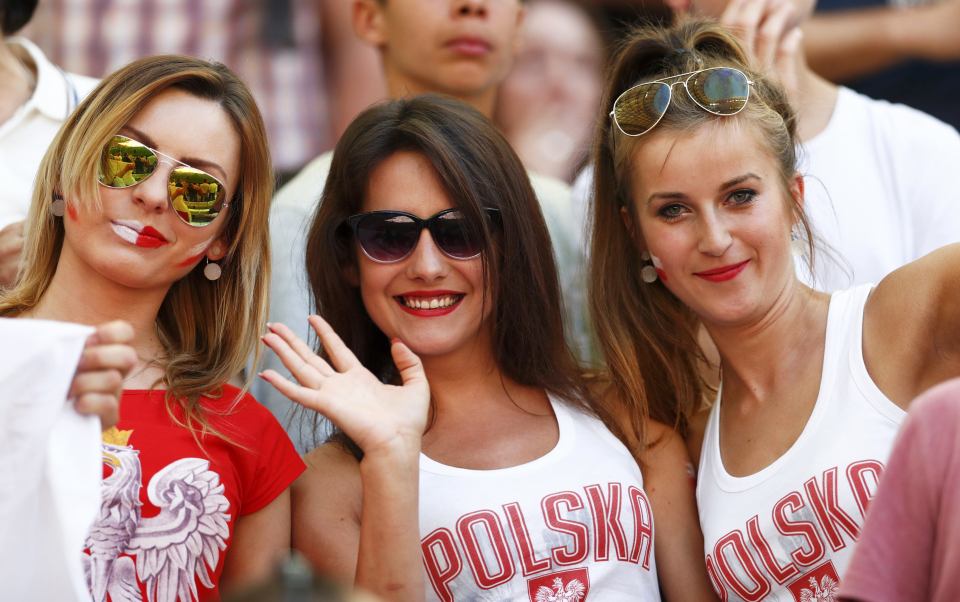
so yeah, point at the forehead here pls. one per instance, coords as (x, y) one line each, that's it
(406, 181)
(698, 159)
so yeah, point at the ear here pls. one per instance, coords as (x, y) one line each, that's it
(628, 223)
(217, 250)
(797, 189)
(368, 22)
(351, 275)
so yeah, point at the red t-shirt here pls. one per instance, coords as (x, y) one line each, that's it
(169, 506)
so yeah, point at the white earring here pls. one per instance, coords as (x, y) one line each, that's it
(212, 270)
(648, 273)
(59, 206)
(797, 245)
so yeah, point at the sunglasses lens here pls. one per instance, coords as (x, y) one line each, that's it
(196, 196)
(387, 237)
(722, 91)
(456, 236)
(125, 162)
(641, 107)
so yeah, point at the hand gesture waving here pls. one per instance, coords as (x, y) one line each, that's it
(376, 416)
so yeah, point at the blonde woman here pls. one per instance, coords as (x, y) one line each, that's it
(151, 207)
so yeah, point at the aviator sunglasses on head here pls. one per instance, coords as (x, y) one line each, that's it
(717, 90)
(390, 236)
(196, 196)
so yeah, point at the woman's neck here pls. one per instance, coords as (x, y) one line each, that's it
(18, 79)
(467, 383)
(759, 358)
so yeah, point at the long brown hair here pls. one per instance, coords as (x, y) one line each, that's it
(478, 169)
(202, 348)
(649, 337)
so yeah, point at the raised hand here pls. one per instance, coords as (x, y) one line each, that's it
(106, 360)
(770, 32)
(376, 416)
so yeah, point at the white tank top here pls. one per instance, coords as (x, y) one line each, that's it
(572, 525)
(787, 532)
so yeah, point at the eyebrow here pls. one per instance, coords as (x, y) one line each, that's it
(145, 138)
(671, 196)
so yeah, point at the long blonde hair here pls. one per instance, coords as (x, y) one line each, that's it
(649, 337)
(208, 329)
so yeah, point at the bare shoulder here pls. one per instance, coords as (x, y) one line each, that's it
(326, 511)
(664, 450)
(330, 468)
(910, 325)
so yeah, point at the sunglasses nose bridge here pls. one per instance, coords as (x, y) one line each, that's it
(426, 261)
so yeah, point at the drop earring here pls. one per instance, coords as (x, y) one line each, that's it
(648, 273)
(797, 244)
(59, 206)
(212, 270)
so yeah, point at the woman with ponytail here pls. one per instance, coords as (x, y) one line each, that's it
(698, 207)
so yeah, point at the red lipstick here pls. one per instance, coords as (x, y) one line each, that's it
(722, 274)
(151, 238)
(421, 303)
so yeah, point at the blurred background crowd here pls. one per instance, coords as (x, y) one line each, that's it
(311, 75)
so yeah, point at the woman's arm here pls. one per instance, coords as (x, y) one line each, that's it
(387, 423)
(259, 543)
(911, 326)
(678, 543)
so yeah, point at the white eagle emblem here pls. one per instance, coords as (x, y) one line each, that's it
(572, 592)
(825, 591)
(173, 549)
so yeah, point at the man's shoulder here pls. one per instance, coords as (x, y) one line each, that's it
(895, 121)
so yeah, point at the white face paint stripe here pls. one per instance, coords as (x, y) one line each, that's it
(656, 261)
(199, 248)
(125, 232)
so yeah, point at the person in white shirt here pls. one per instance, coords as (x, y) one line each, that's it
(697, 194)
(460, 48)
(473, 462)
(36, 96)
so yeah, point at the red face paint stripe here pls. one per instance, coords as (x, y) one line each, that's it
(191, 260)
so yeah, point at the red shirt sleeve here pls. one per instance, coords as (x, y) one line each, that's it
(268, 462)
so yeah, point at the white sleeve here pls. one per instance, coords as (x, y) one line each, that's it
(934, 195)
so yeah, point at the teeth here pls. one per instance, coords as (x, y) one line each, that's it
(430, 303)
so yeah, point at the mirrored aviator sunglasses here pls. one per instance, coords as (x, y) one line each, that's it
(196, 196)
(391, 236)
(717, 90)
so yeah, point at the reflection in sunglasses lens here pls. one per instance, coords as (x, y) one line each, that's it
(722, 91)
(388, 237)
(453, 235)
(125, 162)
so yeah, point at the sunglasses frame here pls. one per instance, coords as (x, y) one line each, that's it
(662, 81)
(354, 223)
(175, 162)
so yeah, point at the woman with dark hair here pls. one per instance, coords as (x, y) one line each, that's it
(473, 461)
(697, 200)
(196, 473)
